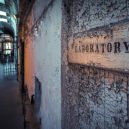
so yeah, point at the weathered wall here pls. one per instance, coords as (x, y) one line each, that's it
(29, 58)
(29, 66)
(47, 45)
(92, 98)
(45, 41)
(39, 7)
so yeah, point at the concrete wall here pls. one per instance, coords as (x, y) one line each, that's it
(92, 98)
(75, 96)
(29, 60)
(48, 66)
(29, 67)
(39, 7)
(43, 59)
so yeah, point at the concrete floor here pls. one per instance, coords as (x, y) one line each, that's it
(11, 116)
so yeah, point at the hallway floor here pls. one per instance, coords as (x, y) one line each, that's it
(11, 116)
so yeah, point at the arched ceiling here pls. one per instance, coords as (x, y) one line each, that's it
(11, 9)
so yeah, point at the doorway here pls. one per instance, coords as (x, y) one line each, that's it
(8, 57)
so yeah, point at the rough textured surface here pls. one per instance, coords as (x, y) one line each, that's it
(39, 7)
(29, 66)
(43, 60)
(92, 98)
(99, 23)
(47, 45)
(99, 97)
(91, 14)
(101, 47)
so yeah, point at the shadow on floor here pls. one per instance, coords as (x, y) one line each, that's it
(11, 116)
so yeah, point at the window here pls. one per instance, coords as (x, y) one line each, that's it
(7, 48)
(2, 1)
(3, 20)
(2, 13)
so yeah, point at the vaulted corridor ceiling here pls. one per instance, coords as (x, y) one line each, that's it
(8, 14)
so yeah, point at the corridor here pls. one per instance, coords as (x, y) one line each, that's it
(11, 113)
(64, 64)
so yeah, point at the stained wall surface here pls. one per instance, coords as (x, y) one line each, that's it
(74, 93)
(93, 97)
(29, 60)
(43, 60)
(48, 66)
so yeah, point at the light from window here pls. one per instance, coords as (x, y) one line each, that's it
(3, 13)
(8, 46)
(7, 52)
(3, 20)
(2, 1)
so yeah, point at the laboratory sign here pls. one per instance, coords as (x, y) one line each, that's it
(108, 48)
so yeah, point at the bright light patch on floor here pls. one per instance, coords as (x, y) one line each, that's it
(3, 20)
(3, 13)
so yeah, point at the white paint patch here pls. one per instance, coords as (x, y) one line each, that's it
(48, 66)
